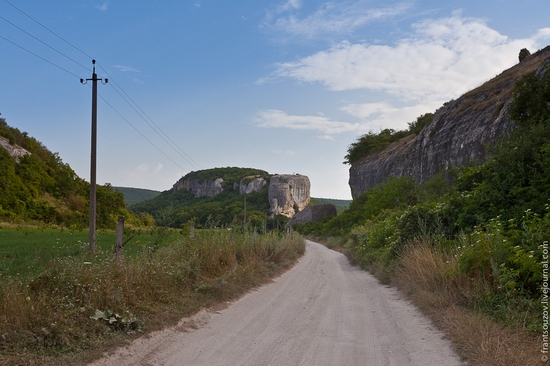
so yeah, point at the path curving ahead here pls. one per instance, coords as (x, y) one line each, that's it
(321, 312)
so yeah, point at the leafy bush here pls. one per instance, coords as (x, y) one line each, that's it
(374, 142)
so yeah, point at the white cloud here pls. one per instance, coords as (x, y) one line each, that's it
(332, 18)
(440, 60)
(284, 152)
(104, 6)
(144, 171)
(126, 68)
(443, 58)
(272, 118)
(378, 116)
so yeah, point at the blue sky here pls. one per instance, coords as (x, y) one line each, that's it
(280, 85)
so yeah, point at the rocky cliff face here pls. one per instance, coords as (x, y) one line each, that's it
(287, 191)
(457, 135)
(208, 188)
(248, 185)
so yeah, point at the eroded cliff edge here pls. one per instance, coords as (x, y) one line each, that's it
(458, 134)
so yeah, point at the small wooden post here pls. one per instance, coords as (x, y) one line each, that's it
(255, 234)
(192, 230)
(119, 235)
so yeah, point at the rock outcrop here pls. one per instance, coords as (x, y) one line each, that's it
(15, 151)
(458, 134)
(287, 192)
(314, 213)
(249, 185)
(208, 188)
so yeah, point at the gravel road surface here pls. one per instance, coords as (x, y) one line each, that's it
(321, 312)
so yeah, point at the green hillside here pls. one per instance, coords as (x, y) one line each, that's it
(39, 187)
(136, 195)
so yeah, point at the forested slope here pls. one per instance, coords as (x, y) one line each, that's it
(40, 187)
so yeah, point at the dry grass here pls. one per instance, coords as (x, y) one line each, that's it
(47, 320)
(432, 279)
(502, 86)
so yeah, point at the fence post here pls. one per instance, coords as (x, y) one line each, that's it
(119, 235)
(192, 230)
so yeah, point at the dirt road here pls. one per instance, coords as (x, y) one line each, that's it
(321, 312)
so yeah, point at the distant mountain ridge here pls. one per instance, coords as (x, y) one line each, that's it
(136, 195)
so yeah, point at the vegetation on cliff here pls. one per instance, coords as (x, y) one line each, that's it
(371, 142)
(175, 208)
(474, 244)
(40, 187)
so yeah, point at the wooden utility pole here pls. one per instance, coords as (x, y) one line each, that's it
(244, 220)
(93, 204)
(119, 236)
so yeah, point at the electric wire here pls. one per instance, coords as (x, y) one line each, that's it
(49, 30)
(40, 57)
(44, 43)
(151, 123)
(138, 131)
(157, 132)
(141, 113)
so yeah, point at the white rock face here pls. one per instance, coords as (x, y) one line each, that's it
(207, 188)
(287, 191)
(255, 185)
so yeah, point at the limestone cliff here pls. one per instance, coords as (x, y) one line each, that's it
(251, 184)
(208, 188)
(458, 134)
(287, 192)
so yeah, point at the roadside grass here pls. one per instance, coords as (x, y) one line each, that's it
(431, 277)
(81, 304)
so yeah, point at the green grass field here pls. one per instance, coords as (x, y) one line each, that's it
(26, 252)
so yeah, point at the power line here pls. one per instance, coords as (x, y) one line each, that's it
(156, 127)
(44, 43)
(138, 131)
(49, 30)
(141, 113)
(40, 57)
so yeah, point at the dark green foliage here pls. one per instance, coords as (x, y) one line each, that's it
(229, 175)
(523, 54)
(40, 187)
(396, 193)
(371, 142)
